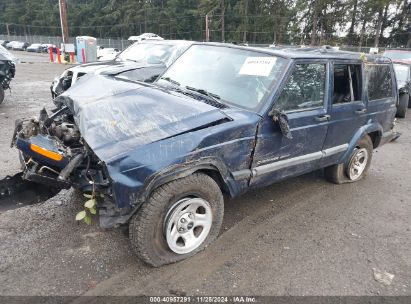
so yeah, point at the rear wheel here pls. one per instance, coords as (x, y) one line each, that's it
(359, 163)
(403, 105)
(1, 94)
(356, 167)
(179, 219)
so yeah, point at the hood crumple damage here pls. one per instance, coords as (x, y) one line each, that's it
(115, 116)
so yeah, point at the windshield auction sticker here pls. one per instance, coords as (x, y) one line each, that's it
(258, 66)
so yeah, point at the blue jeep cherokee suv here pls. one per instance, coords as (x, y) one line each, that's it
(222, 120)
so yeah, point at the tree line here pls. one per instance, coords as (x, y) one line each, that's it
(314, 22)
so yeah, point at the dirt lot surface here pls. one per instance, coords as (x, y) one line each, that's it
(303, 236)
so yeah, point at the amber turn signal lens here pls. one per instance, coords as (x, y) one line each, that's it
(49, 154)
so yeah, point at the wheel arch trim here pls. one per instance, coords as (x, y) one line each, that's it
(182, 170)
(372, 128)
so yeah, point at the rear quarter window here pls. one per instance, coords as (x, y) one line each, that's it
(379, 81)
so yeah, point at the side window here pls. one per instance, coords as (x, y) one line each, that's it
(347, 83)
(379, 83)
(305, 88)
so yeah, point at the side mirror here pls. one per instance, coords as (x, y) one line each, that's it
(281, 118)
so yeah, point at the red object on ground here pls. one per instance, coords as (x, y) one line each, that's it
(72, 57)
(51, 54)
(83, 54)
(58, 55)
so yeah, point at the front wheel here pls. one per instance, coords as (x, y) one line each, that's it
(179, 219)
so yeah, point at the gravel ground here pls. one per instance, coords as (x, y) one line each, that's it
(303, 236)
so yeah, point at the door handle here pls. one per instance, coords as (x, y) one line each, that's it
(361, 111)
(320, 118)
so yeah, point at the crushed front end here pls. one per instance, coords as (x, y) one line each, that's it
(53, 153)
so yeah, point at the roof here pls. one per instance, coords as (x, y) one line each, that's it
(166, 42)
(310, 53)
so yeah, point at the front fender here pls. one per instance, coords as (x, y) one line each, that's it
(182, 170)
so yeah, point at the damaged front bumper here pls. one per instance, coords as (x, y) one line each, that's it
(52, 153)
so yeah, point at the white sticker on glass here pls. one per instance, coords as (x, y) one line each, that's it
(258, 66)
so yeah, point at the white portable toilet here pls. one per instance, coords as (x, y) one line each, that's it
(86, 49)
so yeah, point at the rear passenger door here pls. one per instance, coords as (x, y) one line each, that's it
(382, 94)
(348, 111)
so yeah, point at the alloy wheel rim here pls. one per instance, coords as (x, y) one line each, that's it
(358, 163)
(187, 224)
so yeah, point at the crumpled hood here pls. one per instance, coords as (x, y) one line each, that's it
(110, 67)
(116, 116)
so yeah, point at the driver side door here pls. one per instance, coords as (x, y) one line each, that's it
(304, 99)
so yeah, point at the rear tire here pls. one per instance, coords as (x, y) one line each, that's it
(360, 158)
(1, 95)
(409, 101)
(165, 230)
(403, 105)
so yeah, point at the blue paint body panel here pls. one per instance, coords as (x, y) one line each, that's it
(147, 135)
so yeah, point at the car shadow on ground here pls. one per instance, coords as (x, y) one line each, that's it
(238, 208)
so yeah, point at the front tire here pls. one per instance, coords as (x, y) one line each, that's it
(178, 220)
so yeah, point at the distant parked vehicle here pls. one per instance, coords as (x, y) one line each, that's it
(4, 42)
(398, 55)
(20, 46)
(36, 47)
(47, 47)
(403, 75)
(143, 61)
(104, 54)
(11, 44)
(145, 36)
(7, 70)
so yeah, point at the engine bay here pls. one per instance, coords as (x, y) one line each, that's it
(53, 152)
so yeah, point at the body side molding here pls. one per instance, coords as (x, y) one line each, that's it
(260, 170)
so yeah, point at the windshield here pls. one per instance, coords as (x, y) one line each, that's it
(398, 55)
(147, 53)
(402, 72)
(237, 76)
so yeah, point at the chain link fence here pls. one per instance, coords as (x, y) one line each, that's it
(116, 43)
